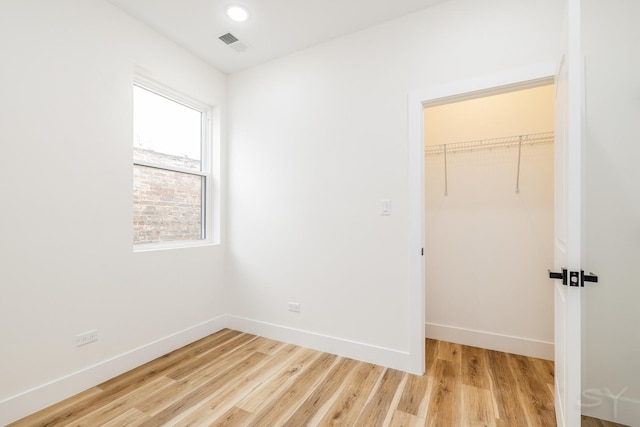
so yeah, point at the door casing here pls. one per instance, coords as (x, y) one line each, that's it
(510, 80)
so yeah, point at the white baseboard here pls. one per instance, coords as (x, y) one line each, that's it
(491, 341)
(390, 358)
(611, 405)
(22, 404)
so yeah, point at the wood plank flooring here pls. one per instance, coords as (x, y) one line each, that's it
(236, 379)
(594, 422)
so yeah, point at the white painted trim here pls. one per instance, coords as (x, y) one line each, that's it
(415, 273)
(27, 402)
(506, 81)
(490, 340)
(352, 349)
(598, 403)
(210, 161)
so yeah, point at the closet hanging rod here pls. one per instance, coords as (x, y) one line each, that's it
(481, 144)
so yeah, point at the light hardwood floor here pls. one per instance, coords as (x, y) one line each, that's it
(236, 379)
(594, 422)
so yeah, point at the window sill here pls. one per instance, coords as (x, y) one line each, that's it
(148, 247)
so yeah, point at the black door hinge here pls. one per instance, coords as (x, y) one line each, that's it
(573, 278)
(422, 252)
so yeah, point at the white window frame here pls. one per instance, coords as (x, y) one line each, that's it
(209, 156)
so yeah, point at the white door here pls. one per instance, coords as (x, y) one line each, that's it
(568, 216)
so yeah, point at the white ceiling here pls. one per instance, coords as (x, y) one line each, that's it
(275, 27)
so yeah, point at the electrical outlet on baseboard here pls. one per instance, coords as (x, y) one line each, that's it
(294, 307)
(86, 337)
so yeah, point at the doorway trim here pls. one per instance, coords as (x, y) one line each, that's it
(507, 81)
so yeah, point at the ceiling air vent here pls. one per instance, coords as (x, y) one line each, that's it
(233, 42)
(228, 38)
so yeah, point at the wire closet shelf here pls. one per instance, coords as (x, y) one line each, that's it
(484, 144)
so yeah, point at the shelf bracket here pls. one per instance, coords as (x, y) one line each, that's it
(519, 157)
(446, 186)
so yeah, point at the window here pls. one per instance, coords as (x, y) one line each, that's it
(171, 168)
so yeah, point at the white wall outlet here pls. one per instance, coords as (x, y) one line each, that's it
(295, 307)
(86, 337)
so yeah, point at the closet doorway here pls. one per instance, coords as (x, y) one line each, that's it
(489, 211)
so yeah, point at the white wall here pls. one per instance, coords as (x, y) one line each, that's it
(487, 249)
(612, 209)
(67, 261)
(317, 138)
(519, 112)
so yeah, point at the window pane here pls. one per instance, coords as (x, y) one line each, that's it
(167, 205)
(165, 132)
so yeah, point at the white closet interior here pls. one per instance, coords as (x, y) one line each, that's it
(489, 222)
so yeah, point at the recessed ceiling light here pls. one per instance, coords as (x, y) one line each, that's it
(237, 13)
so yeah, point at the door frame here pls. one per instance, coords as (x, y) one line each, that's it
(507, 81)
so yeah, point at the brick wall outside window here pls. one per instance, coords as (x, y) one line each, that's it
(167, 205)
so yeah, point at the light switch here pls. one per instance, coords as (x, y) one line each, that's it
(385, 207)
